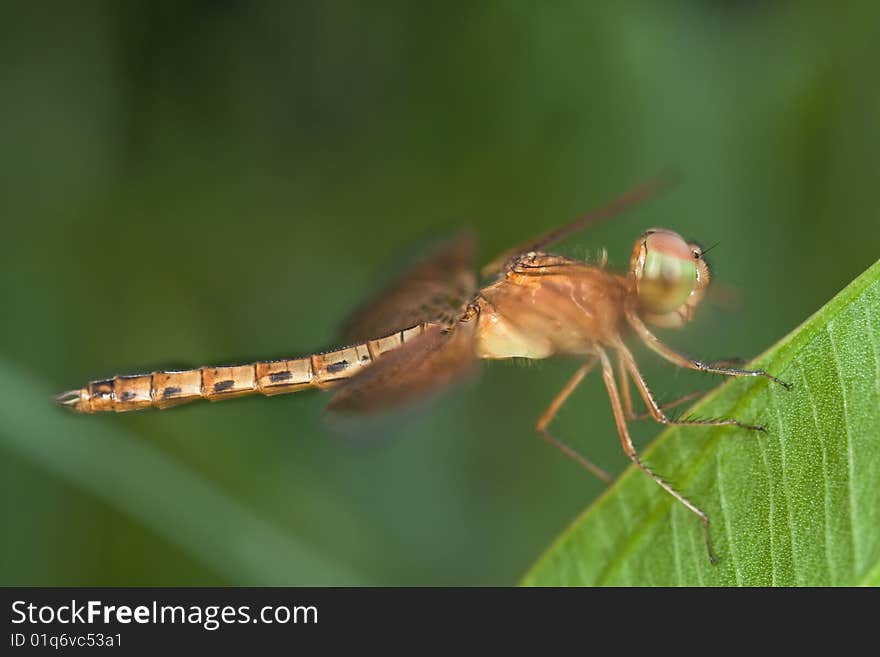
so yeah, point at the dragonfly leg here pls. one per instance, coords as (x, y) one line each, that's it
(625, 393)
(623, 382)
(551, 411)
(655, 410)
(630, 450)
(667, 352)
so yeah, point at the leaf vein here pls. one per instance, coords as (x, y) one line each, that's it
(698, 552)
(727, 526)
(826, 479)
(874, 344)
(850, 459)
(770, 514)
(785, 491)
(676, 552)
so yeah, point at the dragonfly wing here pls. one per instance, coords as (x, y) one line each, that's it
(418, 368)
(611, 209)
(434, 289)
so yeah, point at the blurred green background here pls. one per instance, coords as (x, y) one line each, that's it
(213, 182)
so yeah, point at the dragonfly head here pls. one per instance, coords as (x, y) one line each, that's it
(670, 277)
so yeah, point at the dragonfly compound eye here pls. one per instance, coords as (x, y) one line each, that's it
(668, 272)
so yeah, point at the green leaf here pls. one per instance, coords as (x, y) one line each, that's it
(797, 506)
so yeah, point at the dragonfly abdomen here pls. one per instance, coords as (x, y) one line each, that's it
(164, 389)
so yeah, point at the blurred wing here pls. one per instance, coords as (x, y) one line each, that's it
(622, 203)
(725, 296)
(434, 289)
(416, 369)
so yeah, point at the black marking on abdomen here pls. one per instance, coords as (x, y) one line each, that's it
(170, 392)
(278, 377)
(334, 368)
(128, 395)
(222, 386)
(104, 389)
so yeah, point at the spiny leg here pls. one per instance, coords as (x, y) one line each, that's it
(551, 411)
(667, 352)
(655, 410)
(623, 380)
(630, 450)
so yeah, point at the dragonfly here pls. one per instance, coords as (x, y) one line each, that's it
(430, 327)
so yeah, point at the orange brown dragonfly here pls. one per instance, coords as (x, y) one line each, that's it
(429, 328)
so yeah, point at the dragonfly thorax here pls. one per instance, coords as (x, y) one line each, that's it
(548, 305)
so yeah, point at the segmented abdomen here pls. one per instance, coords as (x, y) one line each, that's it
(275, 377)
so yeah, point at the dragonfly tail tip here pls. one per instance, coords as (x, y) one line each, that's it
(71, 399)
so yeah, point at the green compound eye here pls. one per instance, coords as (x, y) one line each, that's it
(669, 273)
